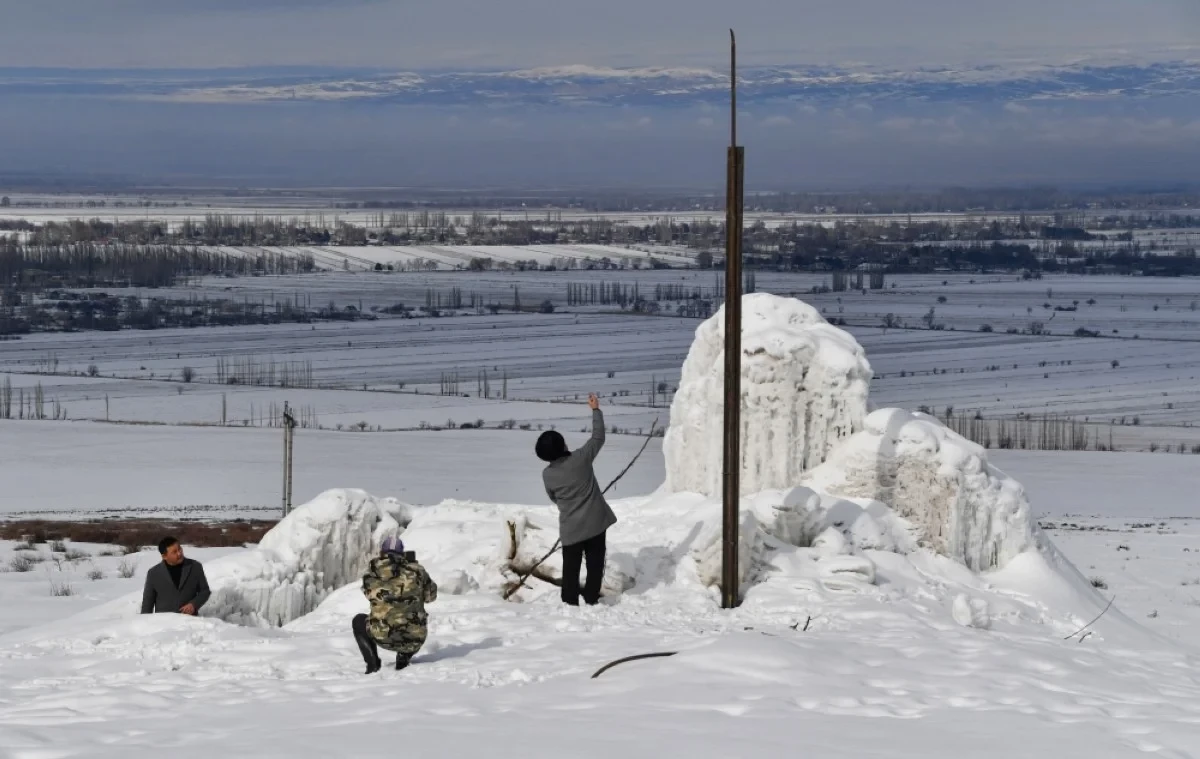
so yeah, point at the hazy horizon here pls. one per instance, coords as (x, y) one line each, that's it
(465, 93)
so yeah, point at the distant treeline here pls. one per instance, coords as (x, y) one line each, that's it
(35, 267)
(992, 257)
(55, 311)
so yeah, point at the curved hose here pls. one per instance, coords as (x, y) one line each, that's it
(612, 664)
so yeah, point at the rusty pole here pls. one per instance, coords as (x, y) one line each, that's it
(731, 489)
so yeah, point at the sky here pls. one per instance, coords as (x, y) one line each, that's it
(829, 136)
(457, 33)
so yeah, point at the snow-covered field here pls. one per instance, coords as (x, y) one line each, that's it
(316, 210)
(1144, 391)
(71, 469)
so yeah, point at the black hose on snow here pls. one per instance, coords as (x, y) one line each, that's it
(612, 664)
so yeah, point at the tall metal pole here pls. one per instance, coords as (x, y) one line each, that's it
(288, 425)
(731, 488)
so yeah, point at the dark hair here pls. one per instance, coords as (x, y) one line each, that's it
(551, 446)
(165, 544)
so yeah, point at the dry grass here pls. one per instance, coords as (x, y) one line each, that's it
(133, 534)
(126, 569)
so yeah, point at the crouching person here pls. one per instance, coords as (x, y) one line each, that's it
(398, 589)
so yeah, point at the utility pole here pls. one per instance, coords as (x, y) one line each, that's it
(289, 424)
(731, 488)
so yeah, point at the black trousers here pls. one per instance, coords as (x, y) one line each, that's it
(573, 556)
(367, 646)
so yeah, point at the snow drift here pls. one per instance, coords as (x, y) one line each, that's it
(804, 388)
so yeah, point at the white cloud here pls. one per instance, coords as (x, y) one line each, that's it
(777, 121)
(705, 121)
(1012, 107)
(899, 123)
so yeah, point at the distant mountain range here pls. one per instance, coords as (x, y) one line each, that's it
(585, 85)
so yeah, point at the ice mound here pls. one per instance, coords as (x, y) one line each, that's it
(320, 547)
(802, 554)
(940, 482)
(804, 387)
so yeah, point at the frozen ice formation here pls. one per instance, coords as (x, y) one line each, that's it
(804, 422)
(938, 481)
(804, 388)
(318, 548)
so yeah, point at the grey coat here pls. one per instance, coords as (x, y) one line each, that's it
(571, 484)
(161, 596)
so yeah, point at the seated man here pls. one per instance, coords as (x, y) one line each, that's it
(177, 585)
(398, 589)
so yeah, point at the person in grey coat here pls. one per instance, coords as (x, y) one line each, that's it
(583, 515)
(177, 585)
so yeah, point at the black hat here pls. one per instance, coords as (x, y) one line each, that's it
(551, 446)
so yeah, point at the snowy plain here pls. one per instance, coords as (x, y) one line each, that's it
(1143, 392)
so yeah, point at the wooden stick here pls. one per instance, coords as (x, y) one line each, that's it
(1094, 621)
(520, 583)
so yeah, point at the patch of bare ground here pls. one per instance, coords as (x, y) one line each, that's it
(135, 534)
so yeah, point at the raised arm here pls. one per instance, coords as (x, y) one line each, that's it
(592, 447)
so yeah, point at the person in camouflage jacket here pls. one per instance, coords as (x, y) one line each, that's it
(398, 589)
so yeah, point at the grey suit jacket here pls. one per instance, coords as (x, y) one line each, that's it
(161, 596)
(571, 485)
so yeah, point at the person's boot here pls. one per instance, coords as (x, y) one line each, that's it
(370, 653)
(401, 662)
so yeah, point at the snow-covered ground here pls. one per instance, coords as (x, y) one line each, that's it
(75, 468)
(886, 671)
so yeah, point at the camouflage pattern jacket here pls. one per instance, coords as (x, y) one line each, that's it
(398, 589)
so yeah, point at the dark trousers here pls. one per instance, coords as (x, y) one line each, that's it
(573, 555)
(367, 646)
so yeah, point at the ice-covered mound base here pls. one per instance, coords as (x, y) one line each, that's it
(320, 547)
(802, 554)
(942, 483)
(804, 387)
